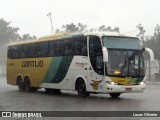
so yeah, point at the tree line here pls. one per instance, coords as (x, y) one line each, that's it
(9, 34)
(153, 42)
(83, 28)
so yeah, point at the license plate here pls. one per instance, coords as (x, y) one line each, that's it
(128, 89)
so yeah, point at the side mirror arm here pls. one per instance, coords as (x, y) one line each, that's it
(105, 59)
(105, 55)
(150, 53)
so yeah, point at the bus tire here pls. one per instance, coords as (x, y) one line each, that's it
(81, 88)
(27, 84)
(28, 87)
(115, 95)
(20, 84)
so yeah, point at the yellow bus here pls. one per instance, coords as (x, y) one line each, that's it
(86, 63)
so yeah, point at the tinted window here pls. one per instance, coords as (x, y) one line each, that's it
(80, 45)
(96, 55)
(63, 47)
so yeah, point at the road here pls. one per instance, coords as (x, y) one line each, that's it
(13, 100)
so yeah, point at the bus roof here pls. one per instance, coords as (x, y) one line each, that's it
(45, 38)
(68, 35)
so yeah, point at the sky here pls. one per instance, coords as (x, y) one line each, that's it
(31, 15)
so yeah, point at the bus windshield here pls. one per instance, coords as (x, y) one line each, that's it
(123, 60)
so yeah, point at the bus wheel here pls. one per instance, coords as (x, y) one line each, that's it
(81, 89)
(27, 85)
(115, 95)
(20, 84)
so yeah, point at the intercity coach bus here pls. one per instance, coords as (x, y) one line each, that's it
(86, 63)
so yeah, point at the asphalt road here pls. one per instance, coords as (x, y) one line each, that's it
(13, 100)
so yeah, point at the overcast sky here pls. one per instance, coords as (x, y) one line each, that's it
(31, 15)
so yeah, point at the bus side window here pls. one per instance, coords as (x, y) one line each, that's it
(68, 47)
(84, 46)
(79, 45)
(9, 54)
(76, 46)
(53, 49)
(18, 52)
(15, 52)
(44, 49)
(37, 50)
(22, 51)
(60, 48)
(49, 47)
(30, 51)
(27, 51)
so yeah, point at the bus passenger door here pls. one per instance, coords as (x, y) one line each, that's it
(96, 70)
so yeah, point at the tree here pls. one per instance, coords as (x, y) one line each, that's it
(72, 28)
(92, 30)
(7, 33)
(154, 44)
(27, 37)
(81, 27)
(58, 31)
(103, 28)
(141, 34)
(116, 29)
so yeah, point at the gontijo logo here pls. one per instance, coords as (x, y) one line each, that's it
(32, 63)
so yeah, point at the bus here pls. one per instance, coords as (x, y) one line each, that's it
(88, 63)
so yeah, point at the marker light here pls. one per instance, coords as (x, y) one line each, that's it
(117, 72)
(141, 83)
(112, 83)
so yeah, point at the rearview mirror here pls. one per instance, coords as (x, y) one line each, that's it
(151, 54)
(105, 54)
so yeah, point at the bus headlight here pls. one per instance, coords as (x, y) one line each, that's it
(111, 82)
(141, 83)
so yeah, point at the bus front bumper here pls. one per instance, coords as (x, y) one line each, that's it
(124, 88)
